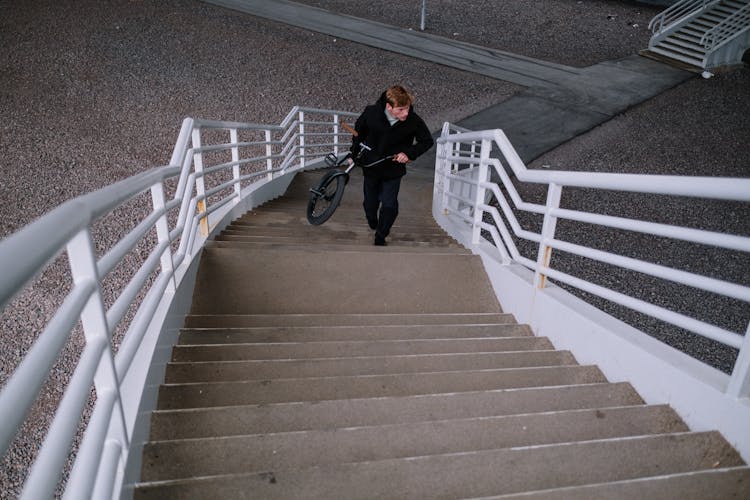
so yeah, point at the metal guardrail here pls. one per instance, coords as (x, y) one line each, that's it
(463, 187)
(727, 29)
(676, 12)
(208, 173)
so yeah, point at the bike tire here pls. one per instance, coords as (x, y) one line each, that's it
(320, 207)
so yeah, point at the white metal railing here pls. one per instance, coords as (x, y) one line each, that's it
(213, 165)
(676, 12)
(728, 28)
(463, 172)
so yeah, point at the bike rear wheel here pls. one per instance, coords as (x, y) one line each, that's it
(325, 198)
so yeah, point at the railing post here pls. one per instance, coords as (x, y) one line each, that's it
(438, 183)
(481, 191)
(739, 382)
(234, 139)
(302, 139)
(82, 260)
(200, 185)
(544, 255)
(269, 153)
(162, 234)
(336, 135)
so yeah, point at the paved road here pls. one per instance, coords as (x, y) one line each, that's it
(560, 102)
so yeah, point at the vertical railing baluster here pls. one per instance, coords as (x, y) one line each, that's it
(233, 138)
(336, 135)
(200, 185)
(162, 233)
(739, 382)
(269, 154)
(481, 191)
(301, 139)
(544, 255)
(82, 258)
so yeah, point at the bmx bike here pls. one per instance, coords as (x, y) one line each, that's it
(326, 196)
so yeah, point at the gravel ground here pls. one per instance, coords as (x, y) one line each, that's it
(699, 128)
(572, 32)
(95, 91)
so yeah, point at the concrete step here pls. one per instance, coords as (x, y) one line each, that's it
(214, 321)
(219, 371)
(279, 214)
(280, 228)
(339, 247)
(220, 336)
(466, 474)
(292, 450)
(354, 348)
(670, 54)
(331, 414)
(714, 484)
(338, 231)
(327, 237)
(206, 394)
(232, 281)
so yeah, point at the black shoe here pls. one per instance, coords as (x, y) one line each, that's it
(373, 225)
(380, 242)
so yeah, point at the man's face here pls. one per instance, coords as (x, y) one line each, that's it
(399, 112)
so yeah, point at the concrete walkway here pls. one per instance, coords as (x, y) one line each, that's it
(560, 102)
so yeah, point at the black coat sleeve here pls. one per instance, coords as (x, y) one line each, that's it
(362, 129)
(422, 140)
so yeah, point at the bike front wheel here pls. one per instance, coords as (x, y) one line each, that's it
(325, 198)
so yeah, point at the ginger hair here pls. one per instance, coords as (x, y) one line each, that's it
(397, 96)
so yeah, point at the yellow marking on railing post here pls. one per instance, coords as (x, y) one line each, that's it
(544, 256)
(204, 220)
(546, 259)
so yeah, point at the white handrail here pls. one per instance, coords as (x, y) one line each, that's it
(200, 184)
(676, 12)
(730, 27)
(454, 151)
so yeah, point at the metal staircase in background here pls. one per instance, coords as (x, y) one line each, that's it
(702, 34)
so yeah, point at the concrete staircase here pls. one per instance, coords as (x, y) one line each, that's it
(683, 42)
(315, 365)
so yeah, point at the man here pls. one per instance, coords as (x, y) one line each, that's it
(390, 127)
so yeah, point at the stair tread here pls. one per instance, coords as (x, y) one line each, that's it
(478, 473)
(205, 394)
(718, 484)
(297, 416)
(339, 247)
(354, 348)
(373, 282)
(261, 452)
(345, 319)
(278, 334)
(350, 366)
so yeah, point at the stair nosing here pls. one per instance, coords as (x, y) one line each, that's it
(648, 437)
(647, 407)
(463, 372)
(377, 398)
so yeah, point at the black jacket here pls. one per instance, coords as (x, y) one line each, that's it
(410, 136)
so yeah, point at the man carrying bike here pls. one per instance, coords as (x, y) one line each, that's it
(390, 127)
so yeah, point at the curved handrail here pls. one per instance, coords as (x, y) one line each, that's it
(702, 187)
(205, 191)
(676, 12)
(727, 29)
(453, 145)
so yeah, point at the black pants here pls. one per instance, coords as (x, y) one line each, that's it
(381, 194)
